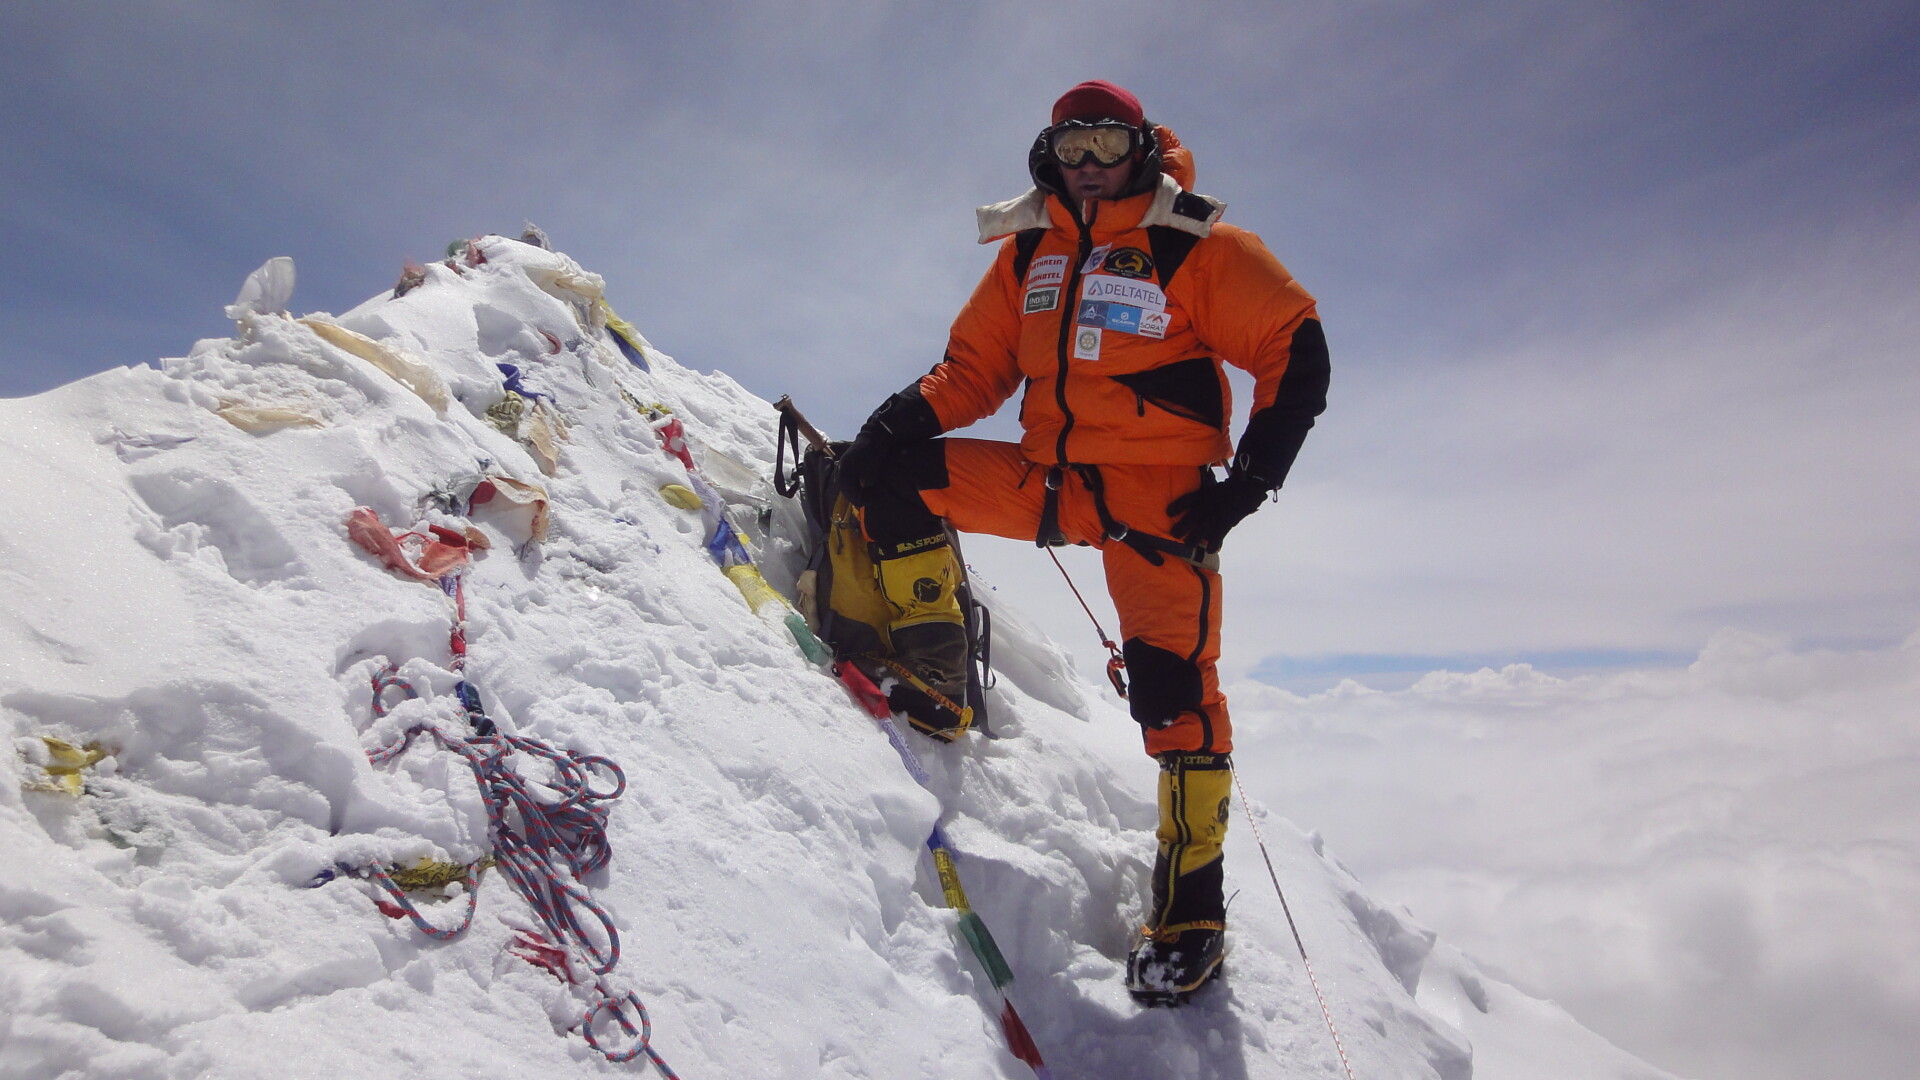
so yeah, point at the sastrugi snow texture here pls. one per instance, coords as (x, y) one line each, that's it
(183, 596)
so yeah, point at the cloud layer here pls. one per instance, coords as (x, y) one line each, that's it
(1715, 866)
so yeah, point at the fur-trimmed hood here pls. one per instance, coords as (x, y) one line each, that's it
(1173, 203)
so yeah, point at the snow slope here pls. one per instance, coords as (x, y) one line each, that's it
(181, 590)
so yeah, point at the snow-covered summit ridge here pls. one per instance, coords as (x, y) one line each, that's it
(182, 592)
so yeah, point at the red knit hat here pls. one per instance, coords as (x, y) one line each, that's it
(1099, 99)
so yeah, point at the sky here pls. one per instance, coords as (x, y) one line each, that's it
(1620, 296)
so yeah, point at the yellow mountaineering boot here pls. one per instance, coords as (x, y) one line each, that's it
(1185, 936)
(921, 581)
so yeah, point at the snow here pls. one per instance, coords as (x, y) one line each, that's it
(181, 591)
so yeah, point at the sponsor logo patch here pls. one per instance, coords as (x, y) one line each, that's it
(1128, 262)
(1153, 324)
(1042, 299)
(1047, 270)
(1109, 316)
(1124, 318)
(1095, 258)
(1086, 342)
(1141, 294)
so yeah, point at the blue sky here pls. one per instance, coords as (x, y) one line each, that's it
(1620, 294)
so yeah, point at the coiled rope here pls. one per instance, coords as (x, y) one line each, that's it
(543, 847)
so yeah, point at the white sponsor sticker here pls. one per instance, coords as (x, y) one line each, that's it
(1047, 270)
(1153, 324)
(1095, 258)
(1086, 342)
(1141, 294)
(1042, 299)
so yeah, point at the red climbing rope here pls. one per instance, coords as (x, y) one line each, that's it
(1116, 663)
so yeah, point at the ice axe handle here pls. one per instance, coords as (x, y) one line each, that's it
(812, 434)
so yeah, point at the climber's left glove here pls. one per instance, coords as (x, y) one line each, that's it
(1202, 517)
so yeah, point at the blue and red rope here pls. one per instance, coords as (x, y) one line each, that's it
(543, 846)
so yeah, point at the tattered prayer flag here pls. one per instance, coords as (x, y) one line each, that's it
(405, 370)
(631, 344)
(517, 492)
(442, 552)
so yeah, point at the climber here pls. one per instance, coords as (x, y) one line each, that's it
(1115, 298)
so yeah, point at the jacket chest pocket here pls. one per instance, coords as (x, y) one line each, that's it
(1192, 389)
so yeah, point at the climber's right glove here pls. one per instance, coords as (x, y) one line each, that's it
(901, 419)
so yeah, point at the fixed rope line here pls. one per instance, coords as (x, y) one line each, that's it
(1298, 944)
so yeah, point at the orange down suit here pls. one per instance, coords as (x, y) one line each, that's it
(1118, 330)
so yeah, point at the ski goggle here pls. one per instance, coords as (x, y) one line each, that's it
(1108, 142)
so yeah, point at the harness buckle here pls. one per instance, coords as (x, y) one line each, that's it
(1049, 534)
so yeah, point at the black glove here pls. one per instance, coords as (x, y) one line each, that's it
(1203, 516)
(860, 463)
(901, 419)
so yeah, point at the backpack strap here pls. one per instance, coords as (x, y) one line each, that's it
(1025, 243)
(1170, 248)
(787, 438)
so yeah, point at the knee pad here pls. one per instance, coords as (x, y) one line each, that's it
(1162, 684)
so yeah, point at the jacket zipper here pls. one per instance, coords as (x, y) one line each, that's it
(1069, 316)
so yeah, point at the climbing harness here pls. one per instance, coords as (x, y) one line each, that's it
(1116, 662)
(1152, 548)
(1297, 943)
(946, 865)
